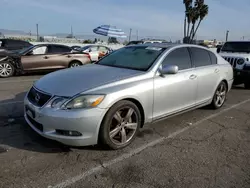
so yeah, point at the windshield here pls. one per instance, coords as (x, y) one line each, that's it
(84, 48)
(24, 50)
(236, 47)
(133, 57)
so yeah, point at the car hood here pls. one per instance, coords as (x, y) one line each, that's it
(71, 81)
(229, 54)
(6, 53)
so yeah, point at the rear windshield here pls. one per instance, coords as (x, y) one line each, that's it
(133, 57)
(236, 47)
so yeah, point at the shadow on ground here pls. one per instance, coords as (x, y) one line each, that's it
(16, 133)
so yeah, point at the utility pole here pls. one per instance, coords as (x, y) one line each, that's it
(227, 35)
(243, 37)
(37, 34)
(71, 32)
(137, 34)
(129, 34)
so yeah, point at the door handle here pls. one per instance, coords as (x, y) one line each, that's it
(192, 77)
(216, 70)
(45, 57)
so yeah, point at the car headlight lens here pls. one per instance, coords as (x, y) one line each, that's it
(58, 102)
(240, 61)
(84, 101)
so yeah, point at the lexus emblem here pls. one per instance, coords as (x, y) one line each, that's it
(37, 98)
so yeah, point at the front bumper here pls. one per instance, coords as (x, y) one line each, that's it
(241, 76)
(45, 121)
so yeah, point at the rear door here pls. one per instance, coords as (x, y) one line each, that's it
(35, 59)
(207, 72)
(58, 56)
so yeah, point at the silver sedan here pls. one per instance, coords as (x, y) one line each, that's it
(109, 101)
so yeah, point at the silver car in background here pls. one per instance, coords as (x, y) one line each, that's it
(109, 101)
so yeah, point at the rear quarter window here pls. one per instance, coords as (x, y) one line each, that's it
(213, 58)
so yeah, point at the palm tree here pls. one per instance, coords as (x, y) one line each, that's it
(188, 6)
(192, 14)
(202, 14)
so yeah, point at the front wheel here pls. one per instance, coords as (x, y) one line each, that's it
(74, 64)
(6, 69)
(219, 96)
(120, 125)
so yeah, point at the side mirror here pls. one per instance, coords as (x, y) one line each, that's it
(169, 69)
(218, 50)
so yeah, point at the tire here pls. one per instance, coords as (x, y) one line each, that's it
(221, 92)
(75, 64)
(128, 126)
(6, 69)
(247, 85)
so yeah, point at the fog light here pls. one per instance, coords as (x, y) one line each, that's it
(68, 133)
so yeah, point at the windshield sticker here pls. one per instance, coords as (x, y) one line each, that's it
(153, 48)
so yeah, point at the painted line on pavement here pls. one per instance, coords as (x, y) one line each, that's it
(98, 168)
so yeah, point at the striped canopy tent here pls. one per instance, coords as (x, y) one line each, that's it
(110, 31)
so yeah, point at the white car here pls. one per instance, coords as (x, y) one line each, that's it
(96, 51)
(237, 54)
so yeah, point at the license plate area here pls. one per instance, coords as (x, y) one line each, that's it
(30, 112)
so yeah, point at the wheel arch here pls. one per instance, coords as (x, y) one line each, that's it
(226, 82)
(74, 61)
(133, 100)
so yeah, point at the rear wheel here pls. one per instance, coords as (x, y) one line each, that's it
(120, 125)
(219, 96)
(75, 64)
(6, 69)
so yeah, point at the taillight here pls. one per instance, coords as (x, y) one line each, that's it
(87, 55)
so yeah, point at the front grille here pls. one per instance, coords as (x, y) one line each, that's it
(233, 60)
(35, 124)
(38, 98)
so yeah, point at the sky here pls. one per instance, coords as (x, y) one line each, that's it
(158, 18)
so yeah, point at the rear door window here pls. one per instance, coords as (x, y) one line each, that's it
(53, 49)
(200, 57)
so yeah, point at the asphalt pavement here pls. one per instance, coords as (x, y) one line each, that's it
(201, 148)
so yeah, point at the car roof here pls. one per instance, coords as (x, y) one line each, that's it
(168, 45)
(48, 44)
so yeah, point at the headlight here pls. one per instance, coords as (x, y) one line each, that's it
(240, 61)
(84, 101)
(58, 102)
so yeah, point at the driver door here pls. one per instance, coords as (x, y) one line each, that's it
(174, 93)
(35, 59)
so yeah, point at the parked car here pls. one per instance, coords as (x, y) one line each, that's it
(237, 53)
(128, 88)
(13, 44)
(76, 47)
(96, 51)
(40, 58)
(143, 41)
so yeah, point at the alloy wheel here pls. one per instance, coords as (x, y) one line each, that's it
(75, 65)
(220, 95)
(123, 126)
(5, 70)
